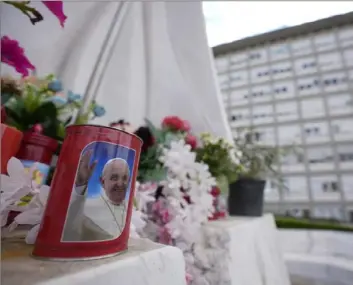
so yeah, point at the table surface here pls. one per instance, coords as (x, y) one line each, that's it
(143, 257)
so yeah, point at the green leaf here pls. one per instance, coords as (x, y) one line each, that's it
(33, 15)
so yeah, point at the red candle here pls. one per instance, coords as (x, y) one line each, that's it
(89, 209)
(39, 149)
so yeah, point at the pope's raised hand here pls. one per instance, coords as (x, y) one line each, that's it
(85, 169)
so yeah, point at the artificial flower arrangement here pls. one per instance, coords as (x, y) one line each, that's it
(41, 105)
(12, 53)
(176, 197)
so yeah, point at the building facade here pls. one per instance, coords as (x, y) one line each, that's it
(294, 86)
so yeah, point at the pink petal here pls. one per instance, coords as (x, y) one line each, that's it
(32, 234)
(56, 7)
(13, 55)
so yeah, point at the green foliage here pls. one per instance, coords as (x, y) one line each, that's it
(294, 223)
(32, 108)
(216, 153)
(42, 101)
(23, 6)
(150, 168)
(258, 161)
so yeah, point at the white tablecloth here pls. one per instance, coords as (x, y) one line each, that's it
(254, 252)
(145, 263)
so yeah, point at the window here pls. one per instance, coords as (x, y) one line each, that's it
(330, 61)
(293, 162)
(240, 117)
(223, 81)
(325, 41)
(348, 57)
(260, 74)
(334, 82)
(340, 104)
(350, 75)
(312, 108)
(238, 78)
(327, 212)
(257, 55)
(342, 129)
(289, 134)
(308, 86)
(265, 136)
(279, 51)
(239, 97)
(296, 188)
(347, 185)
(261, 93)
(316, 132)
(283, 90)
(253, 137)
(238, 60)
(325, 187)
(287, 111)
(262, 114)
(281, 70)
(222, 63)
(301, 46)
(345, 36)
(320, 158)
(345, 153)
(305, 65)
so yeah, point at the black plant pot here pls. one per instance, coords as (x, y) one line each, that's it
(246, 197)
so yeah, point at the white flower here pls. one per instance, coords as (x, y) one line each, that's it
(17, 184)
(144, 195)
(33, 214)
(137, 223)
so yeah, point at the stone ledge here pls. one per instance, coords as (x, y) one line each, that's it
(144, 263)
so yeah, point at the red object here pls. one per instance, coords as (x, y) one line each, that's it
(215, 192)
(37, 128)
(37, 147)
(78, 140)
(3, 115)
(13, 55)
(191, 140)
(10, 144)
(176, 124)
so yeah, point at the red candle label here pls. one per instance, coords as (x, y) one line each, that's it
(100, 195)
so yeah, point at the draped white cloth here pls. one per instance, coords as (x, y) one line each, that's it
(157, 60)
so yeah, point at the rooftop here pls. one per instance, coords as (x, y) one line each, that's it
(284, 33)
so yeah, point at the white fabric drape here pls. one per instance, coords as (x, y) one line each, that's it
(160, 65)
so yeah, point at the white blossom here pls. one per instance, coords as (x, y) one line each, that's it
(14, 186)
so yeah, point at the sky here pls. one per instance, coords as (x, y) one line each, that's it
(230, 21)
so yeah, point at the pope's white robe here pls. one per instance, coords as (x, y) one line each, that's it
(93, 219)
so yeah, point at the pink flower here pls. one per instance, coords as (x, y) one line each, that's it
(12, 54)
(164, 236)
(56, 7)
(191, 140)
(165, 215)
(188, 278)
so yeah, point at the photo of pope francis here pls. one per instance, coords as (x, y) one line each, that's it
(101, 218)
